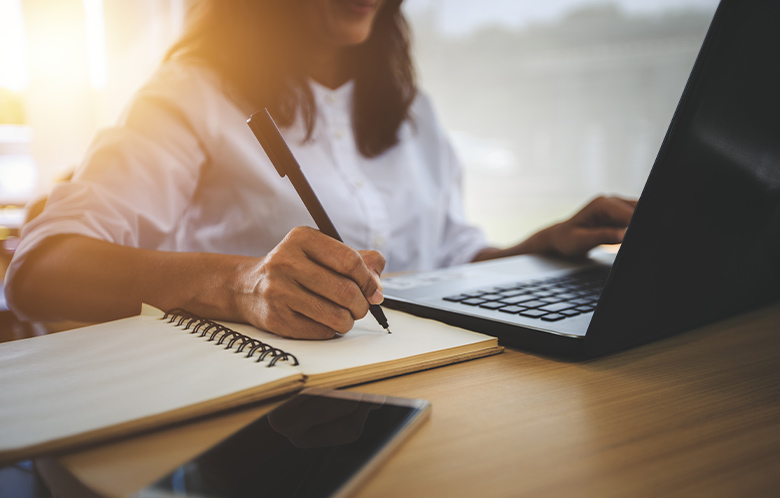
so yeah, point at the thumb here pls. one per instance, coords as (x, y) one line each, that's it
(579, 241)
(593, 237)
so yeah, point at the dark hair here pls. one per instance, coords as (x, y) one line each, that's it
(257, 49)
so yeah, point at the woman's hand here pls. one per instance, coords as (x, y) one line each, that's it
(311, 286)
(601, 221)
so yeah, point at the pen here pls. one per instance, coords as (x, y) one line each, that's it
(267, 133)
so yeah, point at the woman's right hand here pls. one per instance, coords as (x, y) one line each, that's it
(310, 286)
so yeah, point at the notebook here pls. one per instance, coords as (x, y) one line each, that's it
(704, 241)
(85, 385)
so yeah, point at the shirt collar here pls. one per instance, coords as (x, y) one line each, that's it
(338, 98)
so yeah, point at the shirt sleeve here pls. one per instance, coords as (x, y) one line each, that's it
(138, 177)
(461, 240)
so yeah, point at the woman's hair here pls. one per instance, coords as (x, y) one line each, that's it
(257, 47)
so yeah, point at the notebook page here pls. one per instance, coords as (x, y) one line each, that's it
(367, 343)
(68, 383)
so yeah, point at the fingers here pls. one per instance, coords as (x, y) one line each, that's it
(279, 318)
(612, 211)
(620, 210)
(579, 241)
(335, 288)
(285, 308)
(312, 286)
(360, 267)
(588, 238)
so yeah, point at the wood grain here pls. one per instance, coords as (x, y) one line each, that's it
(697, 414)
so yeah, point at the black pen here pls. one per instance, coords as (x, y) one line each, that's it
(267, 133)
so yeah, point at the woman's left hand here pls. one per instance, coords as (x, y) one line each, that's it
(601, 221)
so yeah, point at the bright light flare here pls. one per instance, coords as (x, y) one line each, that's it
(57, 47)
(96, 43)
(14, 70)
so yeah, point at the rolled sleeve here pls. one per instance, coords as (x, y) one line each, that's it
(137, 178)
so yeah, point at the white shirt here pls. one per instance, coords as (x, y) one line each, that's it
(182, 171)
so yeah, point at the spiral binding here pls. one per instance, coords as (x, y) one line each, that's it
(217, 332)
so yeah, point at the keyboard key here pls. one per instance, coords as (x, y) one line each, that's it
(555, 298)
(526, 298)
(492, 305)
(512, 309)
(533, 313)
(516, 299)
(533, 304)
(557, 307)
(457, 299)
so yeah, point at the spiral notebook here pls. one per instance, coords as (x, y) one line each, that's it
(108, 380)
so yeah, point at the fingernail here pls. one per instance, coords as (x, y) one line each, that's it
(377, 297)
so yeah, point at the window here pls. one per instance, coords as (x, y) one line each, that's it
(550, 103)
(67, 68)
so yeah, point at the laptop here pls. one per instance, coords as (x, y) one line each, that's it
(704, 241)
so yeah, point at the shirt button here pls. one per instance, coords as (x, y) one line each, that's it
(359, 183)
(338, 134)
(331, 98)
(379, 242)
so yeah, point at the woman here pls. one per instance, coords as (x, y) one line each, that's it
(178, 206)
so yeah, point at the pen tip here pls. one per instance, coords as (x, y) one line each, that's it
(388, 330)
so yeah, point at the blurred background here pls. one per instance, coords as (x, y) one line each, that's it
(548, 103)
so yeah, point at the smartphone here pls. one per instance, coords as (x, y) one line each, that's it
(319, 443)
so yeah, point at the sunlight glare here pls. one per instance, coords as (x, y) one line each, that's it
(96, 43)
(14, 71)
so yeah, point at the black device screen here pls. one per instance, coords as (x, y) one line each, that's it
(714, 190)
(309, 446)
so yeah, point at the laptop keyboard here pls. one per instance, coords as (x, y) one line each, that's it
(550, 299)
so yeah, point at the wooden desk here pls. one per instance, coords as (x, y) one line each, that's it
(696, 414)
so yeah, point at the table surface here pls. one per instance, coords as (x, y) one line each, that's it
(695, 414)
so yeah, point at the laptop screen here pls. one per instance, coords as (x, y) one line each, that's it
(704, 242)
